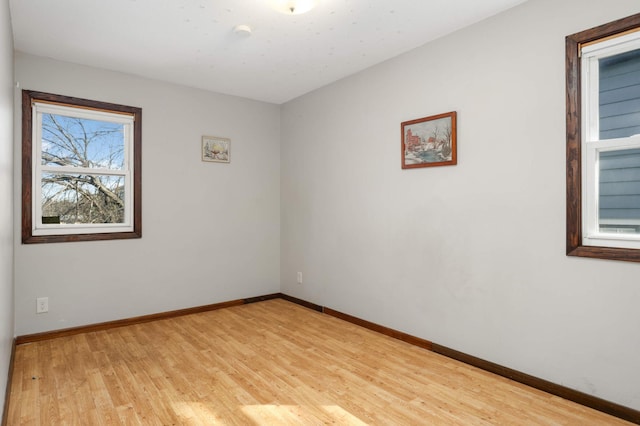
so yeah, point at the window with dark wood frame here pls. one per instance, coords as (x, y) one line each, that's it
(88, 230)
(574, 43)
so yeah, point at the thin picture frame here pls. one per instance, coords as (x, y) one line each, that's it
(429, 141)
(216, 149)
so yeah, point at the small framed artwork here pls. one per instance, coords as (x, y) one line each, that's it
(429, 141)
(215, 149)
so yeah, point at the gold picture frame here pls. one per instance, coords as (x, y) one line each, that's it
(216, 149)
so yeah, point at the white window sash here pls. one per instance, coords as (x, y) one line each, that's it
(39, 228)
(591, 195)
(80, 112)
(592, 145)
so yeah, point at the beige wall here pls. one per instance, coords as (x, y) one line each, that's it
(469, 256)
(6, 191)
(210, 231)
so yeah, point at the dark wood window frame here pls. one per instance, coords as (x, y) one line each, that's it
(574, 42)
(28, 97)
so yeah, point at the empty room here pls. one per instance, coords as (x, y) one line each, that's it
(252, 212)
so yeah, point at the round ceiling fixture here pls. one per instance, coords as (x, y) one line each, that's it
(242, 30)
(293, 7)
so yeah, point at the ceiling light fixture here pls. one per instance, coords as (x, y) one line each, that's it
(242, 30)
(293, 7)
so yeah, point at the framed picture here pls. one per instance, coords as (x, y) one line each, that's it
(217, 150)
(429, 141)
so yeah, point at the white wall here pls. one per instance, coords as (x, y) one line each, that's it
(469, 256)
(6, 195)
(211, 232)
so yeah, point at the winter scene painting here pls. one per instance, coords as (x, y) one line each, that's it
(429, 141)
(216, 149)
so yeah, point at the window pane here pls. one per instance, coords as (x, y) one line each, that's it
(80, 142)
(74, 199)
(619, 186)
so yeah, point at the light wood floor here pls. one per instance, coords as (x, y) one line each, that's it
(267, 363)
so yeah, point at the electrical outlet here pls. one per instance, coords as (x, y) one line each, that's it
(42, 305)
(299, 277)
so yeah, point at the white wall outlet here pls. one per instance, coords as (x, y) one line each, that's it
(42, 305)
(299, 277)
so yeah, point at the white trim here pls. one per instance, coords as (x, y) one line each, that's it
(82, 112)
(66, 229)
(69, 170)
(621, 222)
(592, 235)
(127, 121)
(612, 46)
(621, 240)
(592, 146)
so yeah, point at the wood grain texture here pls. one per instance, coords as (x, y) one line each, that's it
(574, 188)
(30, 96)
(46, 335)
(380, 329)
(272, 362)
(262, 298)
(537, 383)
(309, 305)
(5, 410)
(27, 160)
(574, 140)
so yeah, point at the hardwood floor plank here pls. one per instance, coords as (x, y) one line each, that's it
(270, 362)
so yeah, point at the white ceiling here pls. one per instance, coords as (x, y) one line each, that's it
(192, 42)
